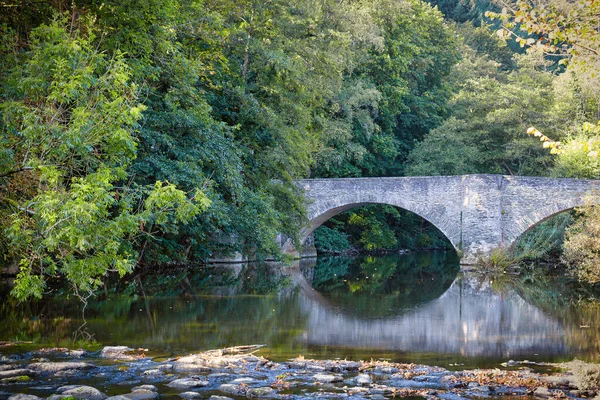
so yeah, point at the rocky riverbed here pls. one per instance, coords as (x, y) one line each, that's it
(121, 373)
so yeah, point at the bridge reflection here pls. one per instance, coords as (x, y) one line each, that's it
(469, 318)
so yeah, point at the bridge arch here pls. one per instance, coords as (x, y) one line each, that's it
(320, 219)
(327, 202)
(545, 213)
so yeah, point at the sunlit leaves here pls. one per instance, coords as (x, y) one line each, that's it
(547, 143)
(566, 28)
(69, 121)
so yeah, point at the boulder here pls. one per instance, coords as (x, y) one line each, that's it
(22, 396)
(188, 383)
(79, 392)
(328, 378)
(53, 367)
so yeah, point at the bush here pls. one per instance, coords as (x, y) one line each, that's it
(582, 245)
(331, 240)
(543, 240)
(499, 260)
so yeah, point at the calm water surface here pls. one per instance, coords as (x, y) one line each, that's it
(415, 307)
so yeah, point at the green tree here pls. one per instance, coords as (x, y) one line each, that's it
(69, 117)
(395, 92)
(490, 110)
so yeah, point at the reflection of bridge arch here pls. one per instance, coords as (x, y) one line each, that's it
(475, 212)
(468, 320)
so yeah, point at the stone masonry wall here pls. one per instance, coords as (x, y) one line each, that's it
(476, 212)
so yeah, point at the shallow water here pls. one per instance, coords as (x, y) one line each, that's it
(410, 308)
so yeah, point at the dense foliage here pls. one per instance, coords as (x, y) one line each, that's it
(148, 131)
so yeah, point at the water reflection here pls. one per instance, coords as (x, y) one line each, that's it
(469, 319)
(374, 287)
(409, 308)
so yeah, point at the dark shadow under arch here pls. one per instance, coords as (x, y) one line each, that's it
(321, 218)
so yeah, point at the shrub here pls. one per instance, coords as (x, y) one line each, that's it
(331, 240)
(582, 245)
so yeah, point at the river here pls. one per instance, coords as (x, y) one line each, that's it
(414, 307)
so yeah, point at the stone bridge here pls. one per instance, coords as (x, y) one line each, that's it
(477, 213)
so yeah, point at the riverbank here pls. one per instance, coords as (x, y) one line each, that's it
(121, 373)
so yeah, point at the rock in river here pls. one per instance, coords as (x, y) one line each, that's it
(236, 390)
(145, 387)
(118, 353)
(260, 392)
(188, 383)
(542, 391)
(327, 378)
(141, 394)
(16, 372)
(78, 392)
(53, 367)
(364, 380)
(22, 396)
(190, 395)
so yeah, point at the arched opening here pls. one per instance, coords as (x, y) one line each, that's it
(375, 228)
(543, 239)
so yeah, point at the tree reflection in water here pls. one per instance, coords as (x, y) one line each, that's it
(376, 286)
